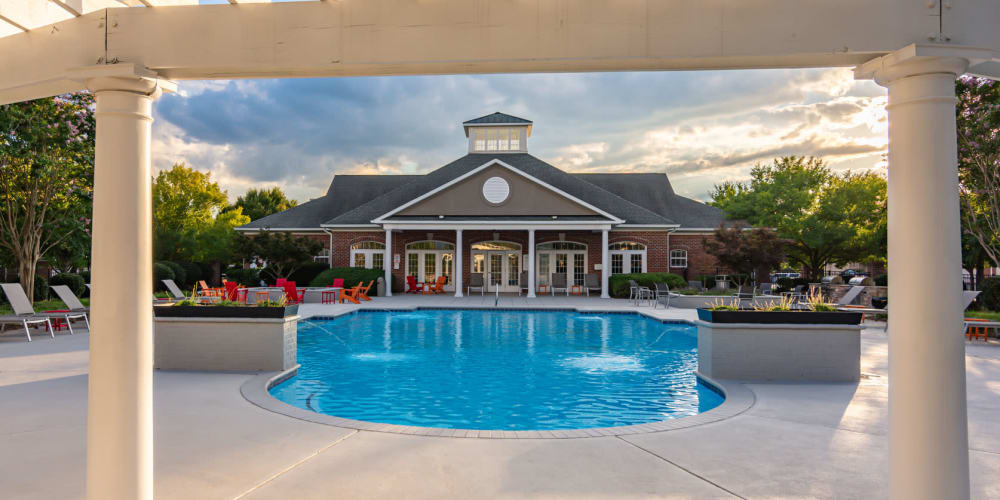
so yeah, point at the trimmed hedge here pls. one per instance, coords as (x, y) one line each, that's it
(41, 288)
(180, 276)
(73, 281)
(351, 276)
(161, 272)
(192, 272)
(990, 298)
(308, 272)
(245, 277)
(620, 287)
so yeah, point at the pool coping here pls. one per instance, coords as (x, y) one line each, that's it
(738, 398)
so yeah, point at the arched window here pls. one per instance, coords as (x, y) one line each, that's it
(678, 258)
(495, 245)
(627, 257)
(368, 254)
(561, 245)
(430, 245)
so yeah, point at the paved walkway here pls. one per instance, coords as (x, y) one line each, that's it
(798, 440)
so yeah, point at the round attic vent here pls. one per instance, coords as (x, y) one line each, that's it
(496, 190)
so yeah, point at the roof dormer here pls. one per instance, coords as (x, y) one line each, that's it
(498, 133)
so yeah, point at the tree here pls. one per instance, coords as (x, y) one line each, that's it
(978, 127)
(282, 253)
(192, 218)
(46, 177)
(747, 251)
(259, 203)
(826, 217)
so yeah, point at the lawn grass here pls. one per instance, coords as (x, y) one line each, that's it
(41, 305)
(990, 315)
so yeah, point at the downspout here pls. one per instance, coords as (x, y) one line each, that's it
(329, 255)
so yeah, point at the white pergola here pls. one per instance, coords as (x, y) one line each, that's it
(129, 51)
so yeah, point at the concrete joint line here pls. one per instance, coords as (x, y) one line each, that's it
(282, 472)
(689, 471)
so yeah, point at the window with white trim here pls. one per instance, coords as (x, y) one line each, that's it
(496, 138)
(368, 254)
(627, 257)
(678, 258)
(324, 256)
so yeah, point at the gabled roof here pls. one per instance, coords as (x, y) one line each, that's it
(496, 119)
(345, 193)
(570, 184)
(654, 192)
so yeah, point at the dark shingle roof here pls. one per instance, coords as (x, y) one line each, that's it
(654, 192)
(497, 117)
(345, 193)
(570, 184)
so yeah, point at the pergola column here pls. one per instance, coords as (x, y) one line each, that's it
(605, 265)
(387, 262)
(928, 436)
(458, 263)
(120, 393)
(531, 263)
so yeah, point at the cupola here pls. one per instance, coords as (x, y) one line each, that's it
(498, 133)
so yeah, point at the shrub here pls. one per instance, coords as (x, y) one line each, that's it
(351, 276)
(308, 272)
(86, 281)
(192, 272)
(161, 272)
(73, 281)
(882, 280)
(246, 277)
(990, 298)
(180, 276)
(620, 287)
(41, 288)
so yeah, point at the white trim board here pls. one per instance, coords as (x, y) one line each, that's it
(380, 219)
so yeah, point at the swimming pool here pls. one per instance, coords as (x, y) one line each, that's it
(497, 370)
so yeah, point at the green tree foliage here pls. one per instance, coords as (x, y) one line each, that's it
(192, 219)
(746, 251)
(826, 217)
(281, 253)
(46, 180)
(259, 203)
(978, 126)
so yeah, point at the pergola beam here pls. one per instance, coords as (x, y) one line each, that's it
(394, 37)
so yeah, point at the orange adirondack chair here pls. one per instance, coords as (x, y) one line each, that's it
(352, 294)
(207, 291)
(363, 293)
(438, 286)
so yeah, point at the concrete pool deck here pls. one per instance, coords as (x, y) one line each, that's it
(797, 440)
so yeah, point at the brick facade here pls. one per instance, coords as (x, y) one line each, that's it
(657, 251)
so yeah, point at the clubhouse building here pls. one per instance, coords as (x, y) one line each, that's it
(502, 212)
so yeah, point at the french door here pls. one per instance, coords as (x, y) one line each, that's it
(569, 263)
(427, 265)
(501, 269)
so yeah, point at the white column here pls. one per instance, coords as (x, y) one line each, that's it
(388, 263)
(120, 393)
(928, 437)
(458, 262)
(605, 265)
(531, 263)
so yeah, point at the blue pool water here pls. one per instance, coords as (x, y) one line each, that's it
(510, 370)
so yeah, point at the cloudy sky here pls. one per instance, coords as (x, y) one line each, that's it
(699, 127)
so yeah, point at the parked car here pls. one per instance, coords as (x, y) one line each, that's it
(851, 273)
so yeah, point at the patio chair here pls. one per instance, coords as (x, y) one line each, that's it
(745, 297)
(413, 286)
(338, 282)
(559, 283)
(767, 289)
(280, 282)
(637, 293)
(523, 283)
(438, 286)
(661, 292)
(172, 287)
(476, 282)
(72, 302)
(22, 308)
(695, 285)
(592, 281)
(850, 295)
(207, 291)
(292, 294)
(231, 291)
(353, 294)
(363, 291)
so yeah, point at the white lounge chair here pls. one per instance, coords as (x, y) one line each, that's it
(24, 315)
(69, 298)
(174, 290)
(850, 295)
